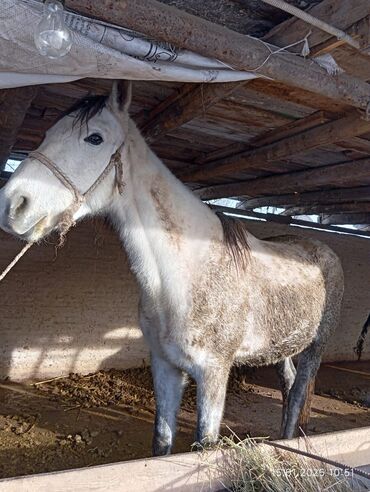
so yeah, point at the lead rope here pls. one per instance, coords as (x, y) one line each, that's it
(67, 220)
(16, 259)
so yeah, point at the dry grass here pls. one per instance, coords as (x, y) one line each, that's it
(252, 466)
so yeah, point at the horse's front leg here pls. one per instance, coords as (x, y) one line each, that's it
(169, 383)
(211, 393)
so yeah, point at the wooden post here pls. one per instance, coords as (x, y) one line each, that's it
(169, 24)
(13, 107)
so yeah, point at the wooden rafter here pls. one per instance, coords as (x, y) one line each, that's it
(145, 118)
(353, 18)
(182, 109)
(318, 136)
(289, 220)
(358, 218)
(166, 23)
(310, 198)
(340, 14)
(289, 129)
(357, 144)
(13, 107)
(359, 31)
(295, 182)
(332, 208)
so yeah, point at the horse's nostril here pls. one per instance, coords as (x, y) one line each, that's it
(17, 206)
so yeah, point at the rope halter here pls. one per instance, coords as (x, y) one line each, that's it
(67, 220)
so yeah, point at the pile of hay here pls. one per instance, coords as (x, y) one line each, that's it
(252, 466)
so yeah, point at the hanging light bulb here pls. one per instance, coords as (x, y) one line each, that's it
(52, 37)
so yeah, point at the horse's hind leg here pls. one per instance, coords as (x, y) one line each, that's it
(169, 383)
(304, 416)
(299, 397)
(286, 372)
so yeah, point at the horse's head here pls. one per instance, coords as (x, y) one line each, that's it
(74, 156)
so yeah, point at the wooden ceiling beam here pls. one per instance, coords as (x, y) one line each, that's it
(13, 107)
(337, 219)
(144, 117)
(353, 18)
(169, 24)
(357, 144)
(327, 133)
(289, 129)
(340, 14)
(332, 208)
(174, 113)
(294, 182)
(310, 198)
(359, 31)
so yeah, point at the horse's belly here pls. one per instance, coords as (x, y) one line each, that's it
(281, 324)
(270, 343)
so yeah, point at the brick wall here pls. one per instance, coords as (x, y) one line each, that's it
(78, 311)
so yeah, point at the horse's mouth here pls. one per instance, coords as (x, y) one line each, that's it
(33, 232)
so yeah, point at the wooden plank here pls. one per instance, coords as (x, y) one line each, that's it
(303, 98)
(325, 134)
(357, 218)
(186, 472)
(145, 117)
(289, 129)
(295, 182)
(309, 198)
(168, 24)
(356, 207)
(191, 104)
(357, 64)
(358, 31)
(250, 96)
(339, 13)
(353, 18)
(13, 107)
(356, 143)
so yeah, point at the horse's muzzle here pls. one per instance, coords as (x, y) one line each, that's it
(16, 216)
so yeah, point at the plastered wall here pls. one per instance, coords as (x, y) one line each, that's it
(78, 311)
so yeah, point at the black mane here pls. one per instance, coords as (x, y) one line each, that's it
(236, 239)
(86, 109)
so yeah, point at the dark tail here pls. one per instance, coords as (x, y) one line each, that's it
(361, 339)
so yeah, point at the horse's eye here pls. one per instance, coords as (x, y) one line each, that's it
(94, 139)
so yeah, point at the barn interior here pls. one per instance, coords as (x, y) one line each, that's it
(290, 144)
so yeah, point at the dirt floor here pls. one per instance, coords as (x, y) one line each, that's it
(107, 416)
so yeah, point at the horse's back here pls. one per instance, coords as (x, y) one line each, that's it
(307, 250)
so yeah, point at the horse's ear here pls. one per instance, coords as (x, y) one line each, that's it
(120, 97)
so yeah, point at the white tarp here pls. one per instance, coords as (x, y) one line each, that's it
(98, 50)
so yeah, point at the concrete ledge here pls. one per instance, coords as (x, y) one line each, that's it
(187, 472)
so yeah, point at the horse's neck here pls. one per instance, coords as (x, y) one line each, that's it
(166, 230)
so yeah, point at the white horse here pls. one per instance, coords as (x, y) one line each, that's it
(211, 294)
